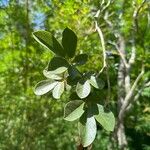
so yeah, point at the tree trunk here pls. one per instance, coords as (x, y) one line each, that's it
(120, 136)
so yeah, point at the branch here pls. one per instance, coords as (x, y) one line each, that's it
(136, 97)
(98, 29)
(135, 25)
(128, 100)
(120, 53)
(147, 84)
(133, 55)
(106, 6)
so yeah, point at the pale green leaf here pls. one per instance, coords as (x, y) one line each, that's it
(106, 119)
(83, 88)
(53, 74)
(87, 129)
(58, 90)
(73, 110)
(44, 86)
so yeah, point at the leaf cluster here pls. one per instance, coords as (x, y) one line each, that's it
(62, 74)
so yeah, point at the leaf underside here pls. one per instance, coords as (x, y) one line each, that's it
(87, 129)
(83, 89)
(106, 119)
(44, 86)
(73, 110)
(58, 90)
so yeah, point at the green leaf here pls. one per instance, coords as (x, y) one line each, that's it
(58, 90)
(67, 87)
(57, 72)
(69, 42)
(96, 82)
(49, 41)
(87, 129)
(107, 120)
(80, 59)
(92, 107)
(83, 88)
(58, 63)
(44, 86)
(73, 110)
(53, 74)
(73, 72)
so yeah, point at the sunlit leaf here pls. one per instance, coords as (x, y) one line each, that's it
(73, 110)
(52, 74)
(49, 41)
(44, 86)
(83, 88)
(87, 129)
(58, 90)
(106, 119)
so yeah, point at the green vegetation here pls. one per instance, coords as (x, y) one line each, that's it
(30, 122)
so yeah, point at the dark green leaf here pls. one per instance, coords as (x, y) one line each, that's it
(58, 90)
(80, 59)
(69, 42)
(87, 129)
(44, 86)
(73, 110)
(83, 88)
(58, 63)
(73, 72)
(49, 41)
(92, 108)
(106, 119)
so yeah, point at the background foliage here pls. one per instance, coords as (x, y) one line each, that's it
(32, 122)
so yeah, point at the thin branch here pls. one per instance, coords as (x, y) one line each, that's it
(136, 97)
(106, 6)
(136, 13)
(98, 29)
(133, 54)
(120, 53)
(128, 97)
(147, 84)
(135, 25)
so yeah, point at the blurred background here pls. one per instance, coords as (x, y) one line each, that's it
(29, 122)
